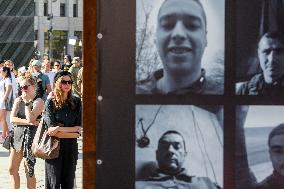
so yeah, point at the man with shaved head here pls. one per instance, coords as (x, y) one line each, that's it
(181, 38)
(276, 152)
(170, 156)
(271, 59)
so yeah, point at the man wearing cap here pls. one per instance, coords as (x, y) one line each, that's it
(181, 38)
(66, 62)
(74, 70)
(276, 153)
(43, 83)
(170, 156)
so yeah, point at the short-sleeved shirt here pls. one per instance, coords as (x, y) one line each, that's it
(51, 76)
(3, 87)
(41, 77)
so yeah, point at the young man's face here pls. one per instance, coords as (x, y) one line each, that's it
(171, 153)
(271, 58)
(181, 36)
(276, 151)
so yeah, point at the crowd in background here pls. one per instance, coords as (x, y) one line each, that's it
(48, 90)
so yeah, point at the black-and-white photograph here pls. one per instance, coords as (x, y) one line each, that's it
(179, 146)
(180, 47)
(259, 154)
(260, 47)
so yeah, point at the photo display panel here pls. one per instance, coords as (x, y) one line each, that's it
(187, 93)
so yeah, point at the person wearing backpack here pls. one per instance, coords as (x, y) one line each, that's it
(43, 82)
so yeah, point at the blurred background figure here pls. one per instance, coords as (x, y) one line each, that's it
(56, 66)
(43, 83)
(67, 62)
(5, 95)
(80, 81)
(10, 64)
(47, 70)
(74, 70)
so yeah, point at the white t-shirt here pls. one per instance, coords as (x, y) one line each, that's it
(4, 83)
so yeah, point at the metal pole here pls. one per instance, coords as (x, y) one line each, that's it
(50, 31)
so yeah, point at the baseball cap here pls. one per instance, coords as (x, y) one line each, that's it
(36, 63)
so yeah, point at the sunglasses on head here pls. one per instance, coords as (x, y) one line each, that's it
(64, 82)
(24, 87)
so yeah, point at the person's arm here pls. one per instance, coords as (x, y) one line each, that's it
(57, 130)
(14, 119)
(65, 132)
(32, 114)
(67, 135)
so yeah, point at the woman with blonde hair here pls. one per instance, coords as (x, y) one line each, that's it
(25, 115)
(63, 119)
(5, 96)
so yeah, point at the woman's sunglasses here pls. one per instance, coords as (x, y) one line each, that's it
(24, 87)
(64, 82)
(56, 65)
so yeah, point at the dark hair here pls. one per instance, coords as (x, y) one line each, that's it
(172, 132)
(68, 57)
(60, 74)
(198, 2)
(278, 130)
(273, 35)
(7, 70)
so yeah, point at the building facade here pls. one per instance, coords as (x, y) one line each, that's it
(59, 21)
(17, 31)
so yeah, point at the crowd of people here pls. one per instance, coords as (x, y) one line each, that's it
(43, 92)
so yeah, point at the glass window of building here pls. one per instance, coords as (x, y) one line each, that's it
(36, 34)
(45, 9)
(59, 44)
(78, 45)
(62, 10)
(75, 10)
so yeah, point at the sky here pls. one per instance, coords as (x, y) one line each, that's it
(215, 14)
(264, 116)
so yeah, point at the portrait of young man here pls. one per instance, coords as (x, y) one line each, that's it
(270, 81)
(184, 53)
(260, 147)
(259, 48)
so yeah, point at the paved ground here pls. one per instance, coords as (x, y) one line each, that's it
(39, 170)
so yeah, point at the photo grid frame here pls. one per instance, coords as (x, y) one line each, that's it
(132, 115)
